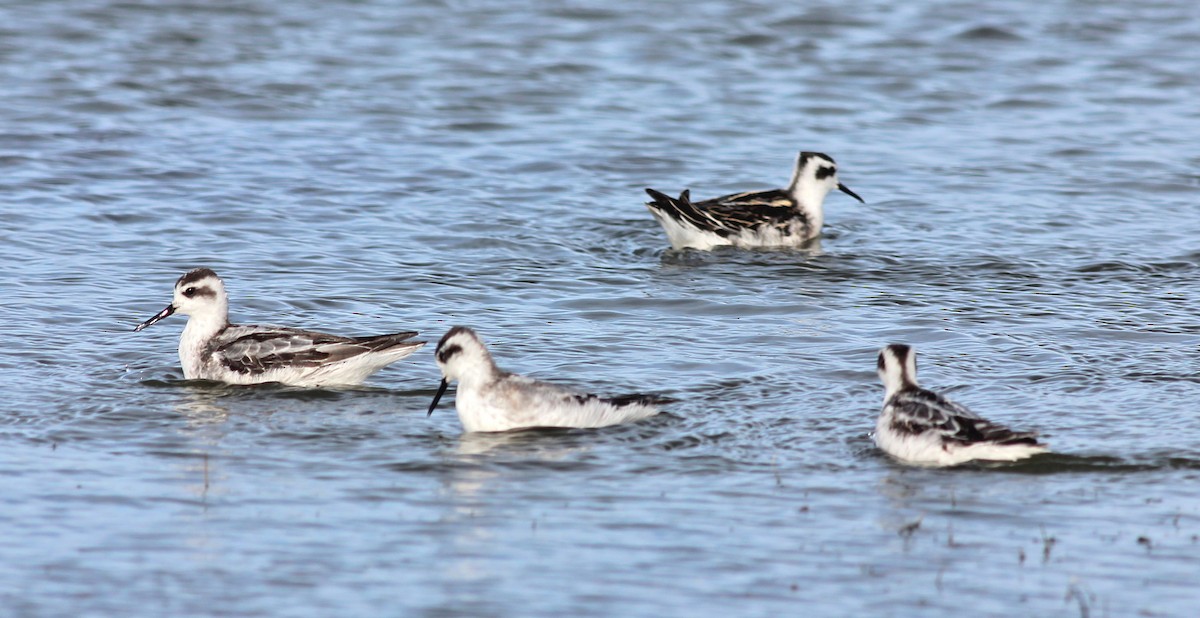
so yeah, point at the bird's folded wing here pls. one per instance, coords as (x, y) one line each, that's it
(749, 210)
(262, 350)
(920, 411)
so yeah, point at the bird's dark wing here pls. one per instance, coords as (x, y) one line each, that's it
(260, 349)
(731, 214)
(620, 401)
(917, 411)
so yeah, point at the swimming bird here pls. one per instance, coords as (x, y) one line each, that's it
(490, 399)
(919, 426)
(787, 217)
(213, 349)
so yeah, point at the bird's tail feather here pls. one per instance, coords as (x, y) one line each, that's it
(680, 209)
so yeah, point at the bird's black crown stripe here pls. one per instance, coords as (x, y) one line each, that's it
(196, 275)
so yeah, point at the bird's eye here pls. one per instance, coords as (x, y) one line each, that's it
(825, 172)
(190, 292)
(449, 351)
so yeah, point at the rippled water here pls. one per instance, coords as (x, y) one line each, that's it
(1031, 225)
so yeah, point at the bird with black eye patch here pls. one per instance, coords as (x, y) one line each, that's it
(790, 217)
(213, 349)
(920, 427)
(489, 399)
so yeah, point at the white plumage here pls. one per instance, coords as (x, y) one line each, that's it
(788, 217)
(211, 348)
(918, 426)
(489, 399)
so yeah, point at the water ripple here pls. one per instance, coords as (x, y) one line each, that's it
(377, 166)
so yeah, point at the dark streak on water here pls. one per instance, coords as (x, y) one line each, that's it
(1031, 226)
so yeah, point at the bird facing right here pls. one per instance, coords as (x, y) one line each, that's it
(790, 217)
(920, 427)
(490, 399)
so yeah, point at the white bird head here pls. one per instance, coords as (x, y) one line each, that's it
(814, 177)
(199, 294)
(897, 368)
(461, 355)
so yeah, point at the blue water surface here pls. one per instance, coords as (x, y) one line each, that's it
(1031, 226)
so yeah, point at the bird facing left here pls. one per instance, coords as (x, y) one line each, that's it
(490, 399)
(211, 348)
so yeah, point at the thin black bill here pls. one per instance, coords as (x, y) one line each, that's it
(438, 396)
(847, 191)
(160, 315)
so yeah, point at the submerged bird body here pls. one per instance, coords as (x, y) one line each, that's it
(211, 348)
(919, 426)
(489, 399)
(789, 217)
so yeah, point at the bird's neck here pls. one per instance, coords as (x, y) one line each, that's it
(203, 326)
(481, 372)
(810, 200)
(896, 381)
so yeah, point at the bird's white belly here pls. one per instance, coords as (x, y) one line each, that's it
(684, 235)
(772, 237)
(921, 449)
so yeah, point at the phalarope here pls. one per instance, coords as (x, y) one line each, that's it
(490, 399)
(919, 426)
(213, 349)
(777, 218)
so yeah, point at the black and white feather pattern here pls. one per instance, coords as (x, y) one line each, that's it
(919, 426)
(789, 217)
(738, 213)
(917, 411)
(260, 349)
(211, 348)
